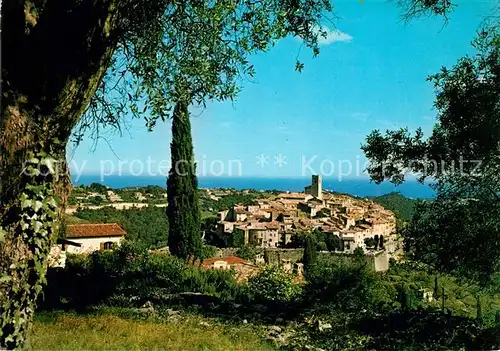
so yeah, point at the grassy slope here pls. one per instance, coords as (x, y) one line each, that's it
(58, 331)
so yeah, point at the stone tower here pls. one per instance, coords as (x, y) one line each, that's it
(317, 187)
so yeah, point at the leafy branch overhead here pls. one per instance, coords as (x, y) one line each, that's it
(202, 45)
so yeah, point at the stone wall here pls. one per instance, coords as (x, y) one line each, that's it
(272, 254)
(381, 261)
(378, 261)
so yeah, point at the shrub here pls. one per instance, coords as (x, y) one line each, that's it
(208, 251)
(333, 242)
(339, 283)
(310, 255)
(273, 284)
(321, 246)
(246, 252)
(371, 243)
(128, 276)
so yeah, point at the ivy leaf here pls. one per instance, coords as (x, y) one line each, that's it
(5, 279)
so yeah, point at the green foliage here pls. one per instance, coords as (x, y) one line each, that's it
(98, 188)
(154, 190)
(63, 229)
(298, 239)
(323, 213)
(237, 238)
(246, 252)
(229, 201)
(184, 239)
(129, 276)
(273, 284)
(333, 242)
(208, 251)
(365, 308)
(324, 241)
(436, 287)
(358, 253)
(310, 254)
(464, 241)
(197, 50)
(370, 242)
(479, 310)
(152, 193)
(459, 297)
(321, 246)
(148, 225)
(402, 206)
(339, 283)
(29, 224)
(407, 297)
(95, 200)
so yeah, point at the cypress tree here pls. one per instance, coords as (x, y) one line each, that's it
(479, 310)
(309, 252)
(436, 287)
(184, 230)
(442, 299)
(403, 297)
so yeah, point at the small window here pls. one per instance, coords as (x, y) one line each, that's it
(108, 245)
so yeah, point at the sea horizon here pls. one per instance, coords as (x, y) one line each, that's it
(360, 186)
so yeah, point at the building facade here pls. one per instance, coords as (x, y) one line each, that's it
(94, 237)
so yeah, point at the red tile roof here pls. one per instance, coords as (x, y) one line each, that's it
(94, 230)
(292, 196)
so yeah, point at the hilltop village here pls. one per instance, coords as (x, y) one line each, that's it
(273, 221)
(263, 220)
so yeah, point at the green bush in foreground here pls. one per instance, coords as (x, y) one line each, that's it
(382, 311)
(273, 284)
(129, 276)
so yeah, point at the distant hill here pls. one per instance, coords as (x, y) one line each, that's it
(401, 205)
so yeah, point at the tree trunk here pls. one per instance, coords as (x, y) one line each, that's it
(55, 54)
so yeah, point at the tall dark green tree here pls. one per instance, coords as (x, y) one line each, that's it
(436, 287)
(184, 231)
(479, 310)
(310, 254)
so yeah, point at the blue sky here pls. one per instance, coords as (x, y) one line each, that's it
(370, 75)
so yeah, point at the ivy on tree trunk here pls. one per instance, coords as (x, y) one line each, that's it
(54, 57)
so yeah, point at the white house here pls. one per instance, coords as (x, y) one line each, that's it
(93, 237)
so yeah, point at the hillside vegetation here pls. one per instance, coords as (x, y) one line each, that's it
(363, 309)
(402, 206)
(148, 225)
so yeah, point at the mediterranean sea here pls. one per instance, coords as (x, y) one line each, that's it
(359, 187)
